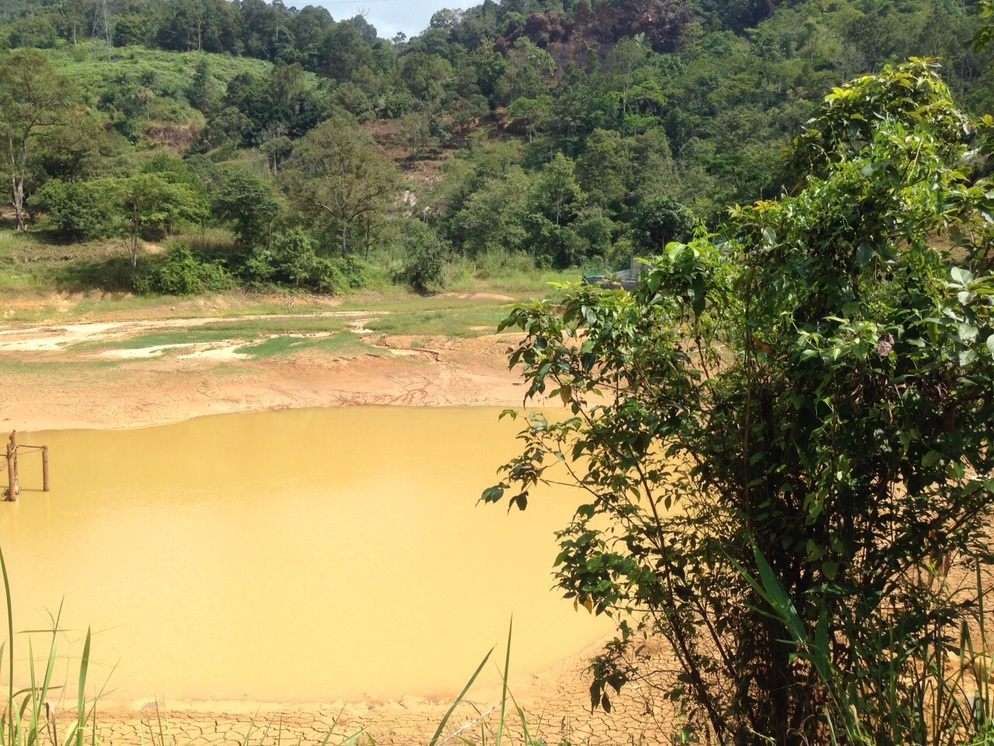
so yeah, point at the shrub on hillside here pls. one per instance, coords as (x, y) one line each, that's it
(75, 209)
(182, 273)
(290, 261)
(424, 257)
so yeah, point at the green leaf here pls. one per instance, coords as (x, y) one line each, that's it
(930, 458)
(492, 494)
(961, 276)
(968, 332)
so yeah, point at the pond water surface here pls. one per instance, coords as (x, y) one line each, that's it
(303, 555)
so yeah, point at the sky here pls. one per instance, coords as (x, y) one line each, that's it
(410, 17)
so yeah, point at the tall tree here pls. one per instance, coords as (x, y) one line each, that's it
(337, 177)
(33, 98)
(153, 202)
(249, 203)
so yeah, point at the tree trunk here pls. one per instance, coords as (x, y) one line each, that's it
(133, 245)
(17, 200)
(16, 186)
(345, 246)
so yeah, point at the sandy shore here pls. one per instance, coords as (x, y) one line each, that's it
(50, 381)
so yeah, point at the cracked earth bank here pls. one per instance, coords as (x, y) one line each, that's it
(85, 375)
(48, 380)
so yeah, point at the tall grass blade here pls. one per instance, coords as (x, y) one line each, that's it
(503, 692)
(354, 738)
(10, 640)
(84, 666)
(462, 694)
(31, 696)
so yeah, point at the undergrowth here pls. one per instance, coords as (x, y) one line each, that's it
(28, 716)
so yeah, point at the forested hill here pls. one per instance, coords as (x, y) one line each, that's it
(571, 132)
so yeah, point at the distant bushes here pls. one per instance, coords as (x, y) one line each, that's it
(179, 272)
(424, 258)
(290, 260)
(76, 210)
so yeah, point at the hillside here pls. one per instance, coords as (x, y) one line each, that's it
(518, 133)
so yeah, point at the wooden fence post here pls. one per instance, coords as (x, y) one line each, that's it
(44, 468)
(11, 470)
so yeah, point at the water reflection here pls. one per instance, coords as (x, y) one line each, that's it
(289, 556)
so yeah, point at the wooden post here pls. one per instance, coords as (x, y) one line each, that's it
(44, 468)
(16, 489)
(11, 480)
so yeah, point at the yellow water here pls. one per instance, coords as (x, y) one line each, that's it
(301, 555)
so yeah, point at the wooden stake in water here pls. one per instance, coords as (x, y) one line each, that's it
(44, 468)
(12, 467)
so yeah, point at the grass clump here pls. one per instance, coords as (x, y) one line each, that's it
(338, 344)
(28, 716)
(457, 321)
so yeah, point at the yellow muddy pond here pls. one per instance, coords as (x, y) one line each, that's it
(298, 556)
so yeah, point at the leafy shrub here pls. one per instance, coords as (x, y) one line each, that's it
(425, 256)
(353, 271)
(796, 447)
(75, 209)
(290, 260)
(659, 221)
(32, 31)
(181, 273)
(248, 202)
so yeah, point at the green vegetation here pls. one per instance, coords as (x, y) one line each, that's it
(283, 344)
(451, 321)
(27, 717)
(782, 442)
(808, 383)
(536, 134)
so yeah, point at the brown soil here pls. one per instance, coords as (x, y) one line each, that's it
(49, 383)
(45, 383)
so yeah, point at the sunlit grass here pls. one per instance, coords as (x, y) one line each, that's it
(257, 337)
(458, 321)
(345, 345)
(20, 367)
(28, 718)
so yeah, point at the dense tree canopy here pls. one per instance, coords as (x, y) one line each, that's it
(620, 124)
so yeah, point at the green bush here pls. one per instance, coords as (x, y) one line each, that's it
(425, 256)
(290, 261)
(782, 441)
(75, 209)
(181, 273)
(659, 221)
